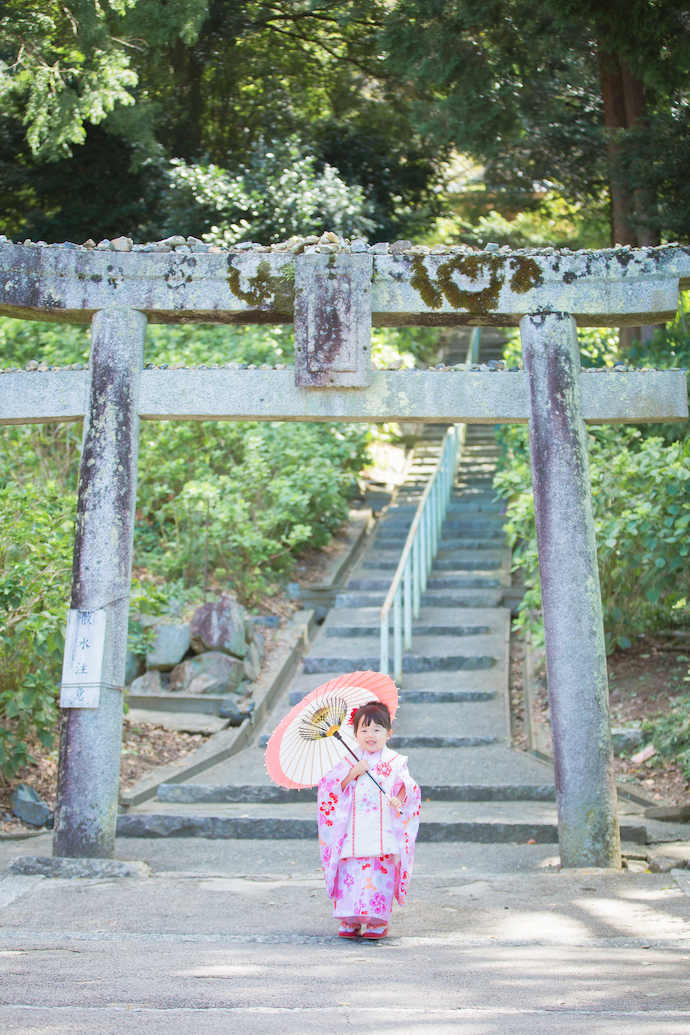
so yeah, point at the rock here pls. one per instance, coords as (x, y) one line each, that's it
(170, 644)
(231, 711)
(254, 657)
(269, 621)
(400, 246)
(28, 807)
(250, 670)
(664, 864)
(669, 813)
(135, 666)
(294, 591)
(320, 614)
(259, 643)
(210, 673)
(48, 866)
(150, 683)
(219, 627)
(256, 638)
(626, 740)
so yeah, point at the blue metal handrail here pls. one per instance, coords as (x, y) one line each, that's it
(421, 546)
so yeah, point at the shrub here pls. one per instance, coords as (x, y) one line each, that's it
(269, 490)
(36, 540)
(671, 734)
(641, 502)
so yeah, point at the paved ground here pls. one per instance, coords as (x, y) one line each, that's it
(237, 937)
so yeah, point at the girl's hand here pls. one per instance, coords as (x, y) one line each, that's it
(359, 769)
(396, 803)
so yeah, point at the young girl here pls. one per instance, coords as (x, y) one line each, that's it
(367, 837)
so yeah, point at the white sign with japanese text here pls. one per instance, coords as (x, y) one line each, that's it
(81, 669)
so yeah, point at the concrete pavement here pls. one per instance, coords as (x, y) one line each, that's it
(237, 937)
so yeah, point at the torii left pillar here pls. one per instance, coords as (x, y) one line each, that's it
(90, 738)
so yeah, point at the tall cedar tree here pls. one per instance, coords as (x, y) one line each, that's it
(589, 96)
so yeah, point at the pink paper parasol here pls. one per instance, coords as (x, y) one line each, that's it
(315, 735)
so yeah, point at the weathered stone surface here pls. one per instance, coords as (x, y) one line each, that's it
(251, 673)
(208, 673)
(626, 740)
(219, 626)
(29, 807)
(664, 864)
(600, 288)
(219, 827)
(254, 656)
(571, 596)
(416, 395)
(135, 666)
(669, 813)
(90, 739)
(150, 683)
(51, 866)
(333, 320)
(169, 646)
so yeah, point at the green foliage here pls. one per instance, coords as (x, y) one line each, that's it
(671, 734)
(266, 492)
(641, 501)
(279, 193)
(164, 104)
(36, 540)
(517, 86)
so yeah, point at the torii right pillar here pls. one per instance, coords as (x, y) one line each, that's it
(571, 598)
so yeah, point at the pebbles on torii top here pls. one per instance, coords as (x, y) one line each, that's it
(185, 280)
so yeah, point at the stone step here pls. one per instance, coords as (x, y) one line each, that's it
(403, 743)
(476, 504)
(433, 582)
(219, 794)
(449, 545)
(442, 599)
(455, 563)
(357, 631)
(443, 564)
(410, 663)
(483, 822)
(421, 696)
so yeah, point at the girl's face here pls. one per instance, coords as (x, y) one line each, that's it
(373, 737)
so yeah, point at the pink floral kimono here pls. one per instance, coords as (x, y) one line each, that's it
(367, 849)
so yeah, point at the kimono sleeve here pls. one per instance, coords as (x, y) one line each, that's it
(334, 805)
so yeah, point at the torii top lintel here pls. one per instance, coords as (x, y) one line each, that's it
(334, 292)
(198, 283)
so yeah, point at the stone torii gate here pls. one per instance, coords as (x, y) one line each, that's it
(334, 291)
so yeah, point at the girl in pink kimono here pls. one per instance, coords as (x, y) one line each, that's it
(367, 837)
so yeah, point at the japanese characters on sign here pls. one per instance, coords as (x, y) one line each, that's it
(83, 662)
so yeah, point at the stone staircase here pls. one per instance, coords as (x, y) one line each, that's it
(453, 720)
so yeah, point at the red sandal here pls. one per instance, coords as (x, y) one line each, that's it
(349, 930)
(376, 932)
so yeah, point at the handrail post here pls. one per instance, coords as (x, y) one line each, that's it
(383, 650)
(397, 635)
(421, 546)
(416, 578)
(408, 603)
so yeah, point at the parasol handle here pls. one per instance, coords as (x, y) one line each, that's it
(337, 734)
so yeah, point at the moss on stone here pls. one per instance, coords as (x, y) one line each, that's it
(526, 275)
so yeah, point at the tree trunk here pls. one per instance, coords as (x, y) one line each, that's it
(187, 71)
(615, 120)
(632, 213)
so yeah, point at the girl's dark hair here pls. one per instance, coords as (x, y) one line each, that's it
(374, 711)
